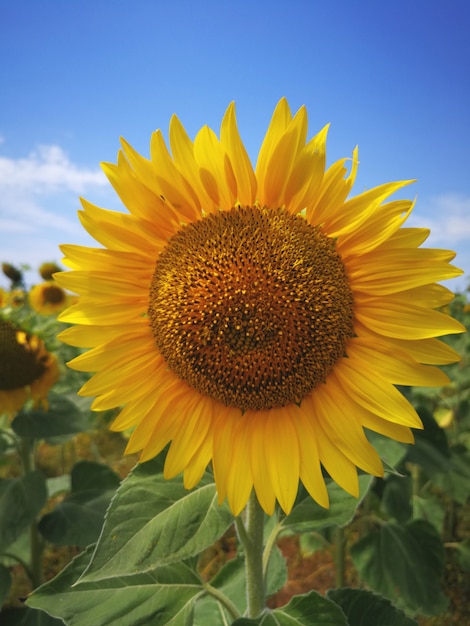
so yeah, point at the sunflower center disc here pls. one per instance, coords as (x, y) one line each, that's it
(19, 365)
(53, 295)
(251, 307)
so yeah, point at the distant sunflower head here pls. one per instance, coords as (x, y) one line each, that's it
(48, 269)
(27, 369)
(258, 319)
(16, 298)
(13, 273)
(48, 298)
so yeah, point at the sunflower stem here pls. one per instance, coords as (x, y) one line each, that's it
(340, 556)
(36, 544)
(252, 540)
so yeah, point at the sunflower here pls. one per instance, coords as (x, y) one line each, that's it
(48, 269)
(48, 298)
(27, 369)
(256, 319)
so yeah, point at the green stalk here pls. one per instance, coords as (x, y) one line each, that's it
(340, 556)
(251, 536)
(36, 544)
(222, 598)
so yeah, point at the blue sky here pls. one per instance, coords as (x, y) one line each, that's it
(391, 77)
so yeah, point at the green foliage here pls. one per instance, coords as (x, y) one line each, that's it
(153, 522)
(431, 450)
(364, 608)
(171, 526)
(165, 595)
(63, 419)
(21, 499)
(311, 609)
(78, 519)
(404, 563)
(5, 583)
(308, 516)
(463, 551)
(28, 617)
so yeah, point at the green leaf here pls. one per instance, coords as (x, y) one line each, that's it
(5, 583)
(405, 564)
(390, 451)
(163, 596)
(277, 572)
(78, 519)
(310, 609)
(63, 417)
(431, 450)
(21, 499)
(456, 482)
(231, 581)
(19, 550)
(364, 608)
(309, 543)
(396, 498)
(28, 617)
(58, 484)
(430, 509)
(88, 476)
(308, 516)
(153, 522)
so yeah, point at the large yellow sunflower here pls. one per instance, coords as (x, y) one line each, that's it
(257, 319)
(27, 369)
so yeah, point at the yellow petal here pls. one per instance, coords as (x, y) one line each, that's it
(310, 466)
(216, 176)
(183, 155)
(284, 469)
(190, 434)
(375, 394)
(261, 481)
(281, 118)
(239, 477)
(393, 364)
(393, 318)
(241, 164)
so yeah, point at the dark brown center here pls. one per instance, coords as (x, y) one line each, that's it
(20, 364)
(251, 307)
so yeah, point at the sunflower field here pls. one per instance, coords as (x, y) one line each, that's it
(248, 405)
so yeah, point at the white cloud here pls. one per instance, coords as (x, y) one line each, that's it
(448, 217)
(38, 204)
(46, 169)
(40, 192)
(22, 213)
